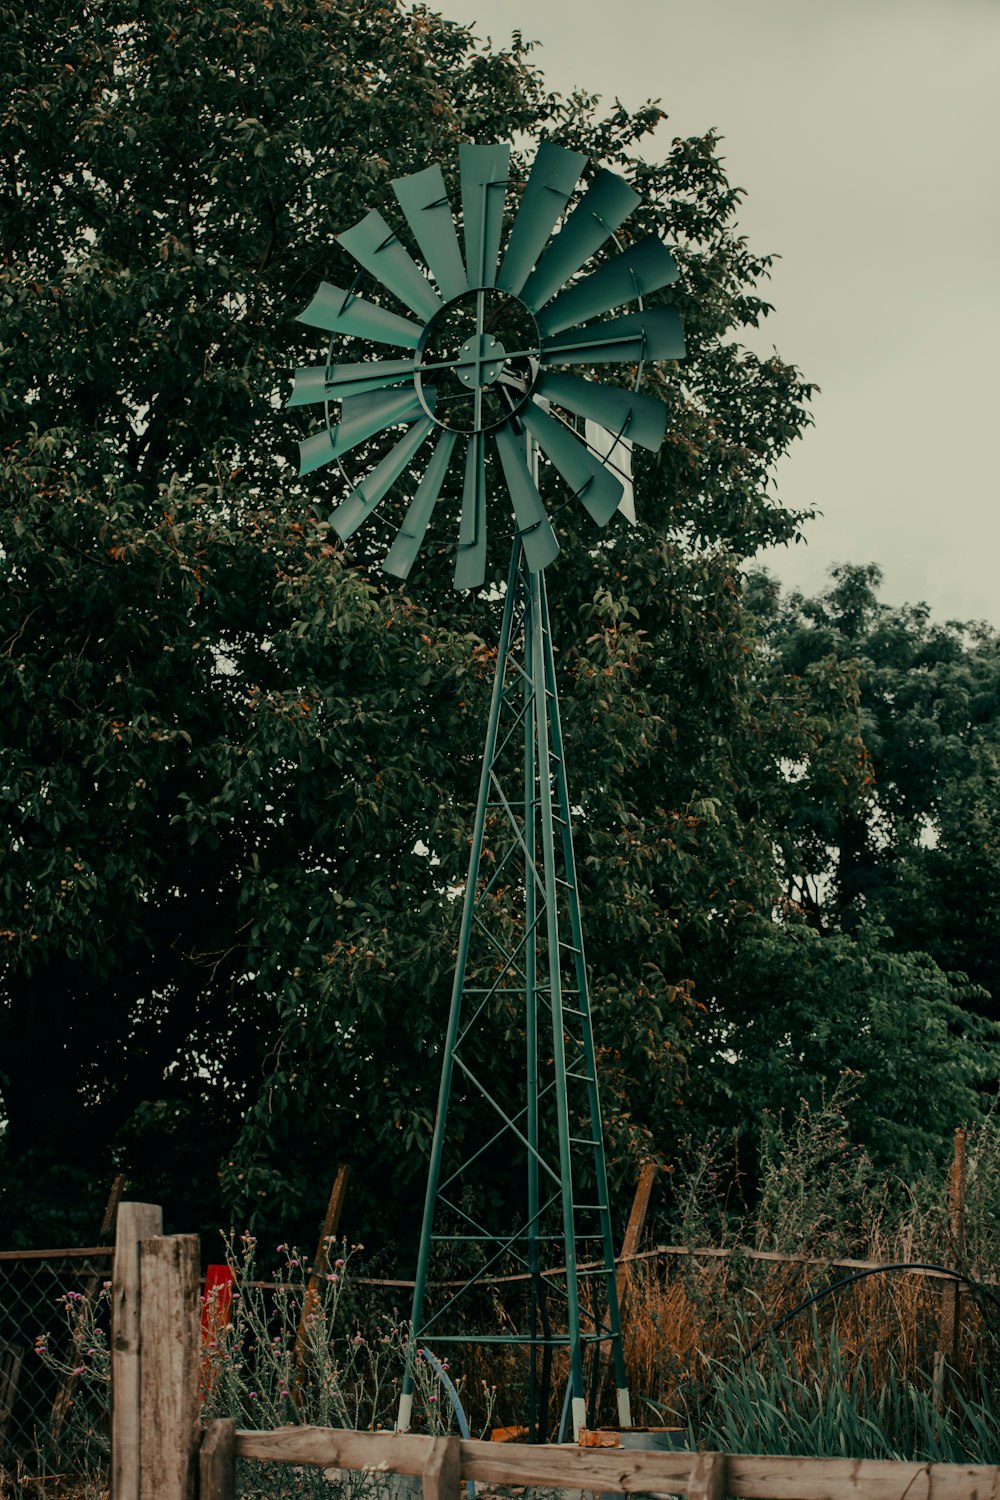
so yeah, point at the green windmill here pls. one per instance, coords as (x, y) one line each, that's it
(517, 1185)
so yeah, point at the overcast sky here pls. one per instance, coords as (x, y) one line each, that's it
(867, 136)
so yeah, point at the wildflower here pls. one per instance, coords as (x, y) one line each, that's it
(80, 1370)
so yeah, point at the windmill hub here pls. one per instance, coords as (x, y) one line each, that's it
(481, 360)
(479, 356)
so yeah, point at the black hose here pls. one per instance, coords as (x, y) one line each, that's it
(836, 1286)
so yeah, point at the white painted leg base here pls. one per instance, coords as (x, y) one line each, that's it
(579, 1415)
(405, 1412)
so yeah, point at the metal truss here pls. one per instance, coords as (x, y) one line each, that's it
(517, 1186)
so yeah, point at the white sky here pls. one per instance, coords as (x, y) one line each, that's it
(867, 136)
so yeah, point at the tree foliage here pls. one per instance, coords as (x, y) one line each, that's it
(238, 765)
(909, 837)
(877, 962)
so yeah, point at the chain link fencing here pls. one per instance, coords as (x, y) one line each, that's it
(54, 1397)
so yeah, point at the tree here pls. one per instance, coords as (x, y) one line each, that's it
(909, 837)
(238, 764)
(877, 961)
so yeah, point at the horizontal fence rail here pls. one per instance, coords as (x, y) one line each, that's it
(688, 1252)
(443, 1462)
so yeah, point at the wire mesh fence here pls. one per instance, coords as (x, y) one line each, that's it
(53, 1331)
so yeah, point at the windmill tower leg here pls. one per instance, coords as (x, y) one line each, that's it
(562, 818)
(539, 968)
(455, 1012)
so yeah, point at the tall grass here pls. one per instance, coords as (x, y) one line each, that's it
(829, 1403)
(860, 1372)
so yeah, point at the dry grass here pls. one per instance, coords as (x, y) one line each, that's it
(681, 1317)
(22, 1483)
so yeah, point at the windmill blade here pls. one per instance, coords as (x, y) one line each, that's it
(403, 552)
(309, 386)
(483, 172)
(470, 559)
(554, 174)
(337, 311)
(645, 267)
(335, 382)
(537, 537)
(424, 201)
(374, 246)
(592, 482)
(653, 334)
(640, 418)
(607, 203)
(361, 417)
(364, 498)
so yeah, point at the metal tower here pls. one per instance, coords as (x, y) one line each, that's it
(521, 976)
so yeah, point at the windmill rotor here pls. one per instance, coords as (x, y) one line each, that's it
(495, 351)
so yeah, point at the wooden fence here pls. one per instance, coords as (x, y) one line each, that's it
(160, 1451)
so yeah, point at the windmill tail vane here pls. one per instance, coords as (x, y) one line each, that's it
(482, 378)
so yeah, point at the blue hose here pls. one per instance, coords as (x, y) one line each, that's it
(459, 1410)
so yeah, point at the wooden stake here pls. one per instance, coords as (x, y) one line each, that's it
(949, 1330)
(170, 1337)
(634, 1227)
(217, 1461)
(321, 1265)
(136, 1221)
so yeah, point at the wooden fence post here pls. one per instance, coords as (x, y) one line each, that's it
(217, 1460)
(443, 1470)
(169, 1333)
(136, 1221)
(633, 1229)
(950, 1326)
(708, 1477)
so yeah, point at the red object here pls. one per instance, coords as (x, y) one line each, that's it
(215, 1302)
